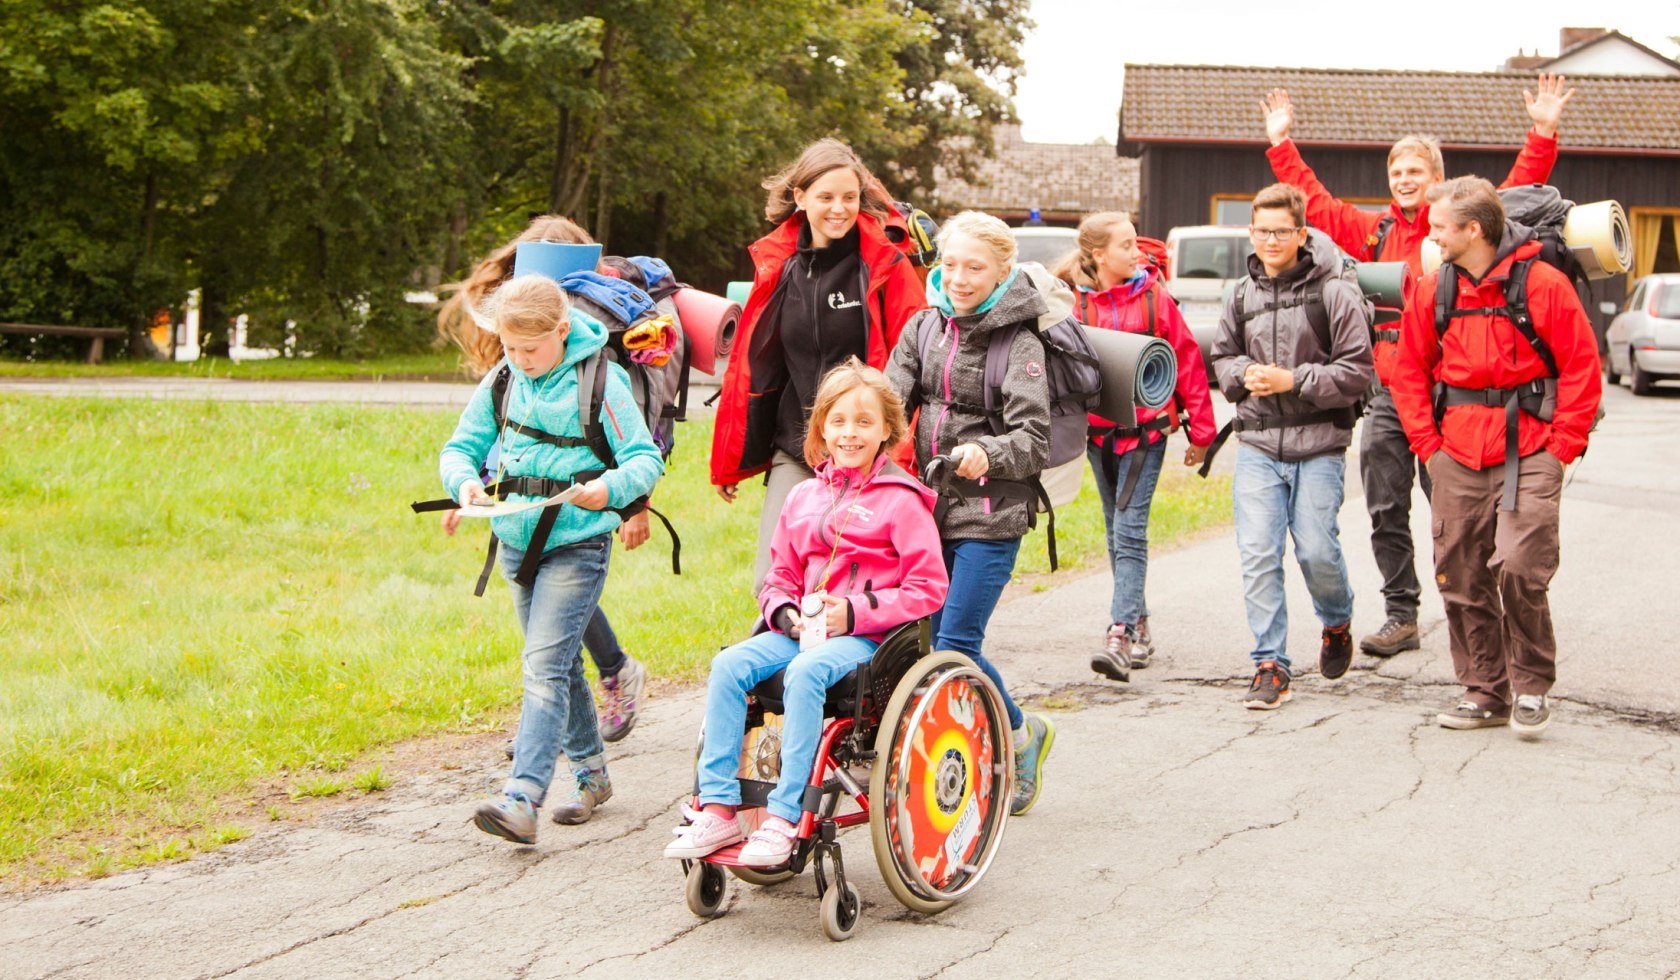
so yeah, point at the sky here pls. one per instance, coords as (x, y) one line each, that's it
(1071, 90)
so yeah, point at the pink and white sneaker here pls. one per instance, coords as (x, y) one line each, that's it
(706, 832)
(771, 845)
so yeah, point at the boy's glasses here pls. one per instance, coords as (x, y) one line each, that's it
(1272, 234)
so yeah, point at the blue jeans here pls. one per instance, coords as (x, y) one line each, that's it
(1128, 529)
(804, 688)
(558, 712)
(979, 570)
(602, 644)
(1301, 498)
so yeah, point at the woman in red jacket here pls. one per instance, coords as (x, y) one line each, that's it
(1115, 290)
(828, 284)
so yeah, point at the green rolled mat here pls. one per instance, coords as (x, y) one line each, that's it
(738, 291)
(1138, 371)
(1385, 283)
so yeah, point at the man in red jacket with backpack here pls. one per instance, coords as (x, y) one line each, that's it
(1497, 385)
(1386, 467)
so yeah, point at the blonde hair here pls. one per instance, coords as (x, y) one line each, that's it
(984, 228)
(1095, 232)
(1471, 198)
(849, 376)
(464, 318)
(530, 307)
(1419, 146)
(813, 162)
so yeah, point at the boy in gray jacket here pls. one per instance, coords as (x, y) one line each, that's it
(1293, 354)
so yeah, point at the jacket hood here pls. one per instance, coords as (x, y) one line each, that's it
(1320, 259)
(1058, 298)
(585, 337)
(883, 472)
(1515, 237)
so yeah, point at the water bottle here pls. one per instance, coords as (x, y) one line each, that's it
(814, 632)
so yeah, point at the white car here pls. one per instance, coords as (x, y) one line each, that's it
(1644, 339)
(1044, 244)
(1203, 262)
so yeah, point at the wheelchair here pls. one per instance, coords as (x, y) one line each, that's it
(927, 731)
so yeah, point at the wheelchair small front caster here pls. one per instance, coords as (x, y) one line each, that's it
(841, 909)
(705, 889)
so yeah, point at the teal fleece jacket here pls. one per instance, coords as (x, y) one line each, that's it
(550, 403)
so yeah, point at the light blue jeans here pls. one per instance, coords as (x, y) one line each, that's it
(558, 712)
(979, 570)
(1302, 499)
(1128, 529)
(805, 687)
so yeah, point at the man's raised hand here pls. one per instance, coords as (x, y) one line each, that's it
(1280, 115)
(1546, 107)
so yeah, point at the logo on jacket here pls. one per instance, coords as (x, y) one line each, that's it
(1033, 369)
(838, 301)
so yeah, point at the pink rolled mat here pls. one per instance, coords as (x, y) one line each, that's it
(709, 322)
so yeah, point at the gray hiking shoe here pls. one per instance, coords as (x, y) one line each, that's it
(510, 817)
(1143, 644)
(1114, 660)
(1531, 715)
(621, 699)
(593, 789)
(1467, 714)
(1395, 636)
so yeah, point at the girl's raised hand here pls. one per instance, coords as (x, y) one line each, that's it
(593, 496)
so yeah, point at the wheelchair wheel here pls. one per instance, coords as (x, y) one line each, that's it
(705, 889)
(939, 789)
(841, 909)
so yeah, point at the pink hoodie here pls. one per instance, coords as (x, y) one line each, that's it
(888, 565)
(1122, 308)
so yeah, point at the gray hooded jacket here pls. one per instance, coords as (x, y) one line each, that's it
(949, 390)
(1324, 379)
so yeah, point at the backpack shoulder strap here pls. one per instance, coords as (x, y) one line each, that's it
(1516, 304)
(1446, 297)
(499, 387)
(997, 369)
(1318, 317)
(1379, 235)
(592, 402)
(1150, 297)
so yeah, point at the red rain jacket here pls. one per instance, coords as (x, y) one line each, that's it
(1483, 351)
(1122, 308)
(743, 441)
(1355, 229)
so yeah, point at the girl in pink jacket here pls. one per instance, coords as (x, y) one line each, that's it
(858, 547)
(1115, 290)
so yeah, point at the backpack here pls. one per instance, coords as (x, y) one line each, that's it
(920, 243)
(1155, 253)
(1070, 368)
(660, 391)
(1541, 208)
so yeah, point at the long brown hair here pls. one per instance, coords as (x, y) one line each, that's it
(814, 161)
(1079, 269)
(481, 349)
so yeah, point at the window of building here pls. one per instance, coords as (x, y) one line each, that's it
(1656, 241)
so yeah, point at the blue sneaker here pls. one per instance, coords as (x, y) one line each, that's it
(1029, 763)
(511, 817)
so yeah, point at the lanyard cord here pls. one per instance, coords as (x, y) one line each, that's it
(839, 532)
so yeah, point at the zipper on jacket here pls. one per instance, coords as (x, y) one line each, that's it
(950, 333)
(851, 579)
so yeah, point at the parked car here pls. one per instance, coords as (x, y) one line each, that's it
(1644, 339)
(1204, 262)
(1044, 245)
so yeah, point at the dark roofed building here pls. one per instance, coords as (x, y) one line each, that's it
(1201, 139)
(1064, 181)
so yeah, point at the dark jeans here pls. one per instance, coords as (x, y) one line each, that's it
(602, 644)
(1386, 467)
(979, 570)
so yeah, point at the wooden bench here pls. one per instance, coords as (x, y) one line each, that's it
(96, 335)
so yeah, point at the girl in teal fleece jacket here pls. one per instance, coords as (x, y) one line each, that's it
(545, 341)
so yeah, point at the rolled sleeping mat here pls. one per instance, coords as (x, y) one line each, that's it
(1429, 256)
(1385, 283)
(1138, 371)
(556, 260)
(709, 322)
(738, 291)
(1599, 236)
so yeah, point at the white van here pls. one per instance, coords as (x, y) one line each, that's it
(1044, 244)
(1202, 262)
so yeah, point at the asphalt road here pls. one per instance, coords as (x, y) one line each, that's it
(1344, 834)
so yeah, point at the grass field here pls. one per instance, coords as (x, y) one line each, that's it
(440, 365)
(199, 598)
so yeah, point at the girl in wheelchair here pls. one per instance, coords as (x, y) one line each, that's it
(856, 546)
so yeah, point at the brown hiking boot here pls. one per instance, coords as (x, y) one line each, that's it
(1396, 635)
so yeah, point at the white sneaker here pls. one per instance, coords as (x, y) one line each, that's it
(771, 845)
(709, 832)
